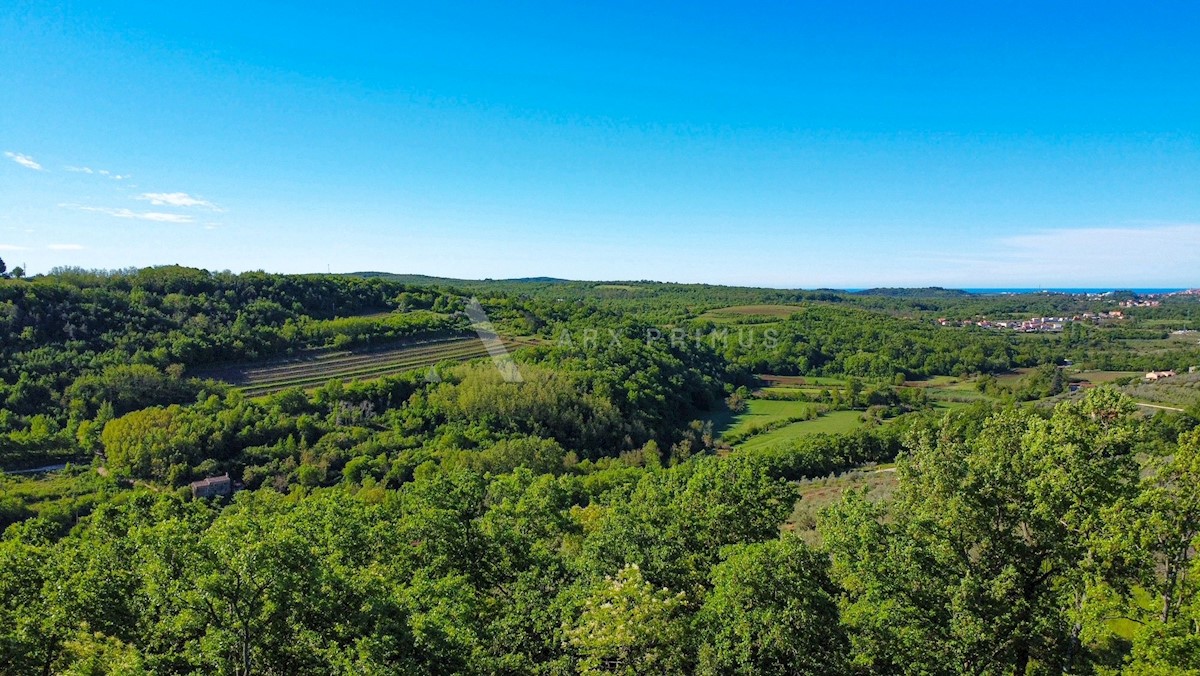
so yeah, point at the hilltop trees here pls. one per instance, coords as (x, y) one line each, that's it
(772, 610)
(992, 551)
(456, 572)
(1013, 540)
(629, 627)
(60, 327)
(674, 524)
(1159, 531)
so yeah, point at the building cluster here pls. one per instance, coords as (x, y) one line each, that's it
(1159, 375)
(1141, 303)
(1036, 324)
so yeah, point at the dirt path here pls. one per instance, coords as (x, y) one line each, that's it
(1165, 408)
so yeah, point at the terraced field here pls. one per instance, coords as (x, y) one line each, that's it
(317, 368)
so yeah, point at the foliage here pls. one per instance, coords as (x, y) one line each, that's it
(587, 519)
(772, 610)
(989, 554)
(629, 627)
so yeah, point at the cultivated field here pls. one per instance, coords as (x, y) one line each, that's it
(833, 422)
(316, 368)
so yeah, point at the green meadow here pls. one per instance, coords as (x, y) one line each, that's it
(832, 422)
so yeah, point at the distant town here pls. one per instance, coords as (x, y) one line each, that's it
(1054, 324)
(1037, 324)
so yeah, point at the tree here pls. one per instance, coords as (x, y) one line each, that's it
(1161, 529)
(989, 558)
(91, 654)
(1167, 524)
(629, 627)
(674, 523)
(28, 643)
(147, 443)
(772, 611)
(3, 269)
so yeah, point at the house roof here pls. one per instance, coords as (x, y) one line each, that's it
(211, 481)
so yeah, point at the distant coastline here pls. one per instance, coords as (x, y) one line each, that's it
(1139, 291)
(994, 291)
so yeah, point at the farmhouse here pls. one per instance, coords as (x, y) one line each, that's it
(1158, 375)
(212, 486)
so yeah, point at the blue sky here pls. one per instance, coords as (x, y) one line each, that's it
(781, 144)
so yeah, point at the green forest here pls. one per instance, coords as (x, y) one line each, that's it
(998, 501)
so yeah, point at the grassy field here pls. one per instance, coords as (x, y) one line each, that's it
(760, 412)
(933, 382)
(1013, 378)
(316, 368)
(1172, 324)
(764, 412)
(787, 392)
(948, 392)
(945, 405)
(832, 422)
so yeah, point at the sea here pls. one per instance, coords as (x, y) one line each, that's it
(1139, 291)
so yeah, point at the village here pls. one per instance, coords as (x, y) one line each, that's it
(1036, 324)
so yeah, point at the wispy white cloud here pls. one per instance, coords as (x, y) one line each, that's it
(1122, 246)
(13, 247)
(155, 216)
(176, 199)
(23, 160)
(1149, 254)
(65, 247)
(101, 172)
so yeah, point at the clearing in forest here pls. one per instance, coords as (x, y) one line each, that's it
(834, 422)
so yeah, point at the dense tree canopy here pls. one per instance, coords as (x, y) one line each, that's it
(598, 516)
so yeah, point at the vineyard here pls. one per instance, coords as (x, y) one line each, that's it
(317, 368)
